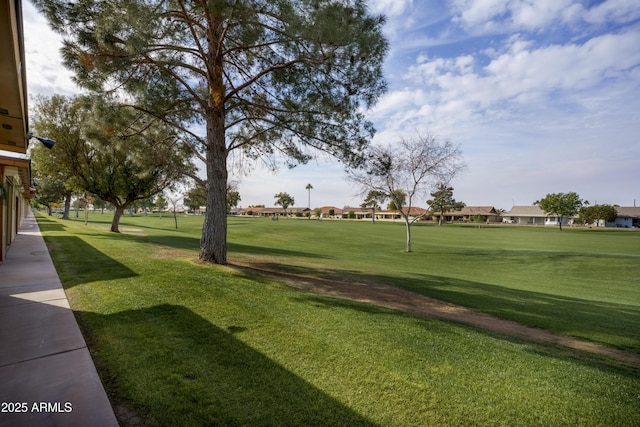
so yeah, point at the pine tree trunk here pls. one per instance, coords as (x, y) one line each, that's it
(115, 223)
(213, 245)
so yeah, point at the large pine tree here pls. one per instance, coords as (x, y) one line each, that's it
(275, 79)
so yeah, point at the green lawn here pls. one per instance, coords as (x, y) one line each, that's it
(584, 283)
(182, 343)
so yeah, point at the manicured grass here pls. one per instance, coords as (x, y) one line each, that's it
(579, 282)
(183, 343)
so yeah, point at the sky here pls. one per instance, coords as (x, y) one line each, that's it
(543, 96)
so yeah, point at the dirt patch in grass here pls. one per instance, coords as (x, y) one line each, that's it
(133, 231)
(410, 302)
(168, 252)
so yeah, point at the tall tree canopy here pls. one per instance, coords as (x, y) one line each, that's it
(53, 168)
(268, 79)
(115, 153)
(562, 205)
(407, 169)
(50, 188)
(233, 198)
(372, 201)
(397, 199)
(285, 200)
(442, 201)
(595, 213)
(196, 197)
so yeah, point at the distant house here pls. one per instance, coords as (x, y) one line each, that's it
(293, 211)
(251, 211)
(277, 211)
(527, 215)
(381, 214)
(414, 212)
(531, 215)
(356, 212)
(628, 217)
(326, 212)
(471, 213)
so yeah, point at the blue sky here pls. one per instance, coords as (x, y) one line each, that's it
(543, 96)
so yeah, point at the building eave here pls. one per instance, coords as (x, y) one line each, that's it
(14, 122)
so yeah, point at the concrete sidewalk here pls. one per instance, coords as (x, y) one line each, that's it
(47, 377)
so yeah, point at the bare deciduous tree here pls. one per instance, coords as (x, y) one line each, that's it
(410, 167)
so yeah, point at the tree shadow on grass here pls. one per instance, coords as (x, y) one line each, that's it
(604, 322)
(609, 324)
(175, 242)
(261, 250)
(177, 368)
(89, 264)
(544, 349)
(46, 224)
(193, 243)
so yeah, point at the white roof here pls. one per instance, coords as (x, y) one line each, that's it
(530, 211)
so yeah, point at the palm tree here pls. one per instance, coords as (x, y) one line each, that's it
(308, 188)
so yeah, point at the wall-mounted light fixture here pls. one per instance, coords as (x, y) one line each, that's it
(49, 143)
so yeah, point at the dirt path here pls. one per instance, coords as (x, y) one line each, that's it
(395, 298)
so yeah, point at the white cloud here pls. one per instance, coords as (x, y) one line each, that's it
(520, 75)
(564, 66)
(534, 115)
(46, 74)
(500, 16)
(532, 118)
(614, 10)
(478, 13)
(406, 21)
(538, 13)
(391, 7)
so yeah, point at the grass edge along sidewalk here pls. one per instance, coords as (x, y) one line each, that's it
(181, 342)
